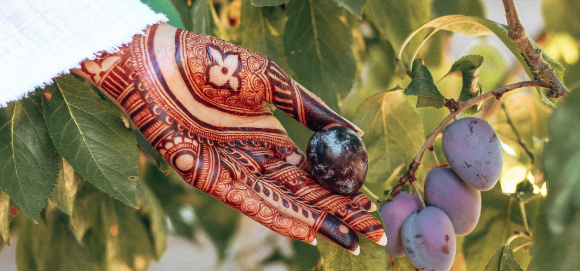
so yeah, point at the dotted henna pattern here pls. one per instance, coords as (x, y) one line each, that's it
(244, 167)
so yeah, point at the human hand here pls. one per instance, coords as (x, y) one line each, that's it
(199, 101)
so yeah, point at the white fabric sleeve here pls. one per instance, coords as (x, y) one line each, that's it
(41, 39)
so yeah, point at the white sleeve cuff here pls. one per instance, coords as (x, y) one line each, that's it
(40, 40)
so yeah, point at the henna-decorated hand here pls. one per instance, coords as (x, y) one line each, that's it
(200, 102)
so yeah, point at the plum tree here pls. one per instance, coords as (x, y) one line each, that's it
(338, 160)
(461, 202)
(394, 213)
(473, 150)
(429, 239)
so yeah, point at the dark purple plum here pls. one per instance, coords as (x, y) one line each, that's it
(461, 202)
(473, 150)
(394, 213)
(429, 239)
(338, 160)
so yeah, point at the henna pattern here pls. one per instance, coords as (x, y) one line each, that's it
(244, 166)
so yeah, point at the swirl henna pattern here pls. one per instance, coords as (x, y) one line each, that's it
(200, 102)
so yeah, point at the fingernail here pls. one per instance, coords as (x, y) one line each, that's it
(356, 252)
(314, 242)
(383, 241)
(372, 208)
(335, 231)
(359, 132)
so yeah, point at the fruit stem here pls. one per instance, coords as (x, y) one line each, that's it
(523, 211)
(419, 195)
(370, 193)
(516, 236)
(435, 157)
(498, 93)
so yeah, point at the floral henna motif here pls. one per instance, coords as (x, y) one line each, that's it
(224, 70)
(243, 167)
(222, 75)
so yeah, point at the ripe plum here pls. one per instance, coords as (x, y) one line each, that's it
(461, 202)
(473, 150)
(394, 213)
(429, 239)
(338, 160)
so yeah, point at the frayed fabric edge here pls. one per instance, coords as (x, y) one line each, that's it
(160, 18)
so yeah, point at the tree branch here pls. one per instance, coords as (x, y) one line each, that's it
(498, 93)
(517, 34)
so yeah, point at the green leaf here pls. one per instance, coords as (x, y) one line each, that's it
(165, 7)
(30, 243)
(261, 3)
(152, 212)
(495, 69)
(465, 63)
(378, 69)
(500, 216)
(205, 19)
(220, 227)
(372, 256)
(397, 19)
(562, 16)
(49, 245)
(90, 135)
(463, 7)
(305, 257)
(67, 185)
(173, 198)
(29, 160)
(393, 133)
(60, 250)
(353, 6)
(162, 165)
(261, 29)
(182, 8)
(127, 241)
(552, 251)
(5, 217)
(468, 67)
(503, 260)
(86, 209)
(317, 44)
(561, 160)
(422, 85)
(475, 26)
(529, 117)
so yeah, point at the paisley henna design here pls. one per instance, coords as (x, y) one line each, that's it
(200, 102)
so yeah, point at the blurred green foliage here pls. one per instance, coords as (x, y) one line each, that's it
(346, 52)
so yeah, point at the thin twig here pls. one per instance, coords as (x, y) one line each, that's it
(511, 124)
(369, 193)
(517, 34)
(498, 93)
(522, 246)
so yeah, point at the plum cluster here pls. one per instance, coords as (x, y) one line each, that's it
(452, 196)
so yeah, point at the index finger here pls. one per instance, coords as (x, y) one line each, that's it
(301, 104)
